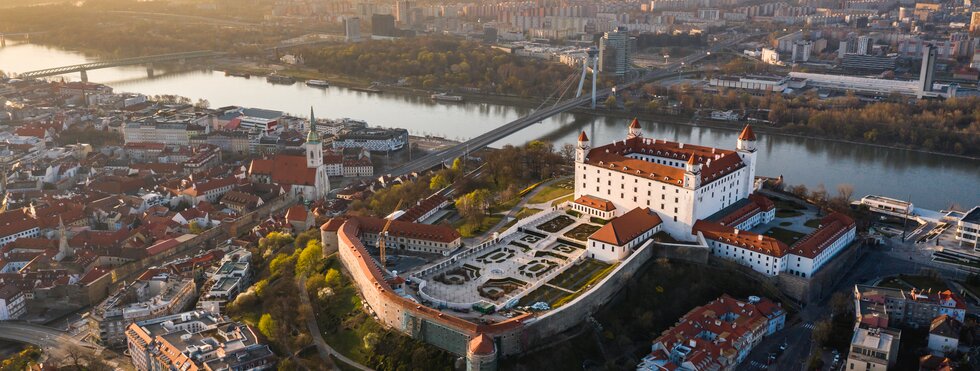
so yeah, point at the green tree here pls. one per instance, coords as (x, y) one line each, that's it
(309, 258)
(439, 181)
(268, 326)
(332, 278)
(610, 101)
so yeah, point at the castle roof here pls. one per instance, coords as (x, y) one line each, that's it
(622, 156)
(481, 345)
(747, 133)
(582, 137)
(627, 227)
(635, 124)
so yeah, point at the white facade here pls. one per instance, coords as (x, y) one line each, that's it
(968, 228)
(678, 203)
(611, 253)
(13, 308)
(942, 345)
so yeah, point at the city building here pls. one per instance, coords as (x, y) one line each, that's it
(617, 238)
(716, 336)
(915, 308)
(944, 335)
(927, 70)
(383, 25)
(352, 29)
(155, 293)
(868, 63)
(373, 139)
(968, 228)
(801, 51)
(306, 175)
(889, 206)
(13, 303)
(409, 236)
(974, 21)
(873, 348)
(616, 50)
(196, 340)
(171, 133)
(681, 182)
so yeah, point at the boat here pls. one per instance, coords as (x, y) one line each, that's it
(447, 98)
(238, 74)
(276, 79)
(317, 83)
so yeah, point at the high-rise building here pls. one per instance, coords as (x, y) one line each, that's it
(864, 45)
(616, 51)
(802, 50)
(928, 69)
(403, 12)
(383, 25)
(352, 29)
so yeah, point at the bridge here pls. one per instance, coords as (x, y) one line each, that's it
(25, 35)
(55, 342)
(459, 150)
(82, 68)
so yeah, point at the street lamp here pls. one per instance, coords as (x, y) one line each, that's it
(665, 58)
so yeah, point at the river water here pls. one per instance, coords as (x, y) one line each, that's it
(932, 181)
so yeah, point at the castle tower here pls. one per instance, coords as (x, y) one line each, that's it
(747, 150)
(635, 130)
(692, 172)
(481, 354)
(314, 150)
(582, 149)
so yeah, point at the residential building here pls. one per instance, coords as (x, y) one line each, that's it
(409, 236)
(383, 25)
(13, 302)
(915, 308)
(716, 336)
(944, 335)
(373, 139)
(873, 348)
(352, 29)
(196, 340)
(155, 293)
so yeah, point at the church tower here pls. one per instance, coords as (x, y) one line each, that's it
(635, 130)
(582, 149)
(314, 150)
(64, 251)
(747, 150)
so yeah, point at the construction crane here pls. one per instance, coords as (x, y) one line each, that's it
(383, 235)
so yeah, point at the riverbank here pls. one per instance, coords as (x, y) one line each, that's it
(738, 125)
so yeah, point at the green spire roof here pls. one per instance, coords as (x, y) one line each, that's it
(312, 136)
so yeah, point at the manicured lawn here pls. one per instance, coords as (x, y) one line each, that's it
(787, 213)
(812, 223)
(563, 199)
(582, 231)
(544, 293)
(785, 235)
(925, 282)
(556, 224)
(553, 191)
(576, 276)
(468, 230)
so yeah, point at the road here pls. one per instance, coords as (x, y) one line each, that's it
(56, 344)
(321, 345)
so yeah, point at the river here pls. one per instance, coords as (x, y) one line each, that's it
(932, 181)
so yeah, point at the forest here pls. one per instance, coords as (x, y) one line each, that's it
(440, 63)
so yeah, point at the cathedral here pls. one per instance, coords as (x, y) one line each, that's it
(302, 176)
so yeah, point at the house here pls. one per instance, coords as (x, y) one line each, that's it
(944, 335)
(616, 240)
(300, 218)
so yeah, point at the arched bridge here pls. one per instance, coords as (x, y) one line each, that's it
(118, 62)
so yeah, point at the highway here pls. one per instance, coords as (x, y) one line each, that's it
(512, 127)
(54, 342)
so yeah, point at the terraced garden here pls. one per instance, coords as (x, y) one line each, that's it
(577, 276)
(556, 224)
(582, 231)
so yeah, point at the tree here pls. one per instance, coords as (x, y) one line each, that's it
(846, 191)
(309, 258)
(840, 302)
(371, 340)
(821, 332)
(567, 152)
(472, 206)
(610, 102)
(268, 326)
(332, 278)
(439, 181)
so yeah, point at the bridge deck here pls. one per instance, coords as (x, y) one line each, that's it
(118, 62)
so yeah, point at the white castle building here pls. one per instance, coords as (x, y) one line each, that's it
(681, 182)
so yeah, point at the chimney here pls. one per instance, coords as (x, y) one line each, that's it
(736, 231)
(760, 237)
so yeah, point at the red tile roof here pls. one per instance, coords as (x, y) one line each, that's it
(582, 137)
(715, 163)
(747, 133)
(481, 345)
(297, 213)
(627, 227)
(285, 169)
(399, 228)
(595, 203)
(744, 239)
(832, 227)
(635, 124)
(423, 207)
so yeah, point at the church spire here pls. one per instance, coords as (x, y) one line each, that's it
(312, 136)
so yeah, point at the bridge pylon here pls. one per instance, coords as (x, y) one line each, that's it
(3, 41)
(84, 76)
(594, 56)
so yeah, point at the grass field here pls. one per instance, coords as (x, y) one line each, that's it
(582, 231)
(576, 276)
(785, 235)
(468, 230)
(546, 294)
(555, 190)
